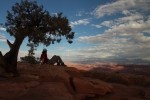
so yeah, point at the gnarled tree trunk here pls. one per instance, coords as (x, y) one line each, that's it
(9, 60)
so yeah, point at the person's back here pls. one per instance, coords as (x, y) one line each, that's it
(43, 57)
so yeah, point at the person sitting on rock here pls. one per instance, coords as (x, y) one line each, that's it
(55, 59)
(44, 58)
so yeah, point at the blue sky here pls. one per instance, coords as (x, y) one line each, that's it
(106, 30)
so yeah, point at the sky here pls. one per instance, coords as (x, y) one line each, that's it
(115, 31)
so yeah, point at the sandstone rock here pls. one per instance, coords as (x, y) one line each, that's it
(48, 91)
(11, 90)
(47, 82)
(53, 73)
(85, 86)
(73, 72)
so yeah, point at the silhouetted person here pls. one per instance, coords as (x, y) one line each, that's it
(55, 59)
(43, 57)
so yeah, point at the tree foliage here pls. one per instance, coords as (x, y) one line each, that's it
(28, 19)
(30, 58)
(32, 49)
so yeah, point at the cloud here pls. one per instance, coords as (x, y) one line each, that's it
(121, 5)
(97, 26)
(80, 22)
(111, 46)
(131, 16)
(133, 49)
(2, 38)
(80, 13)
(131, 19)
(100, 38)
(107, 23)
(130, 25)
(124, 40)
(2, 29)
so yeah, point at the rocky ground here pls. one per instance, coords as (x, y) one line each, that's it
(44, 82)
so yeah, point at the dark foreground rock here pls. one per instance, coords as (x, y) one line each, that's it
(63, 83)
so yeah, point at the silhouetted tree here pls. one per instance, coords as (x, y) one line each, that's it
(32, 48)
(30, 58)
(28, 19)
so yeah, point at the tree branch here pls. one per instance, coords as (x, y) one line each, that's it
(1, 55)
(10, 44)
(1, 58)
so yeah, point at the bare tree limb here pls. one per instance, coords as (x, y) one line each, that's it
(1, 58)
(10, 44)
(1, 55)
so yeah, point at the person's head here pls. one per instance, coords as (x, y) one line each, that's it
(44, 51)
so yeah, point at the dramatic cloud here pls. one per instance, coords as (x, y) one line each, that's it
(121, 5)
(80, 22)
(116, 49)
(130, 27)
(126, 38)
